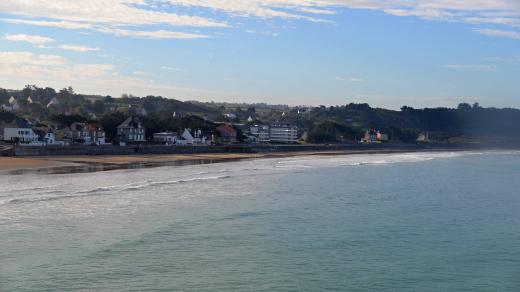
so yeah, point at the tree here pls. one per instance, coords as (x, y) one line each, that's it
(7, 117)
(110, 122)
(4, 95)
(67, 120)
(464, 106)
(329, 131)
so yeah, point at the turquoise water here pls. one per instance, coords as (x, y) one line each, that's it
(402, 222)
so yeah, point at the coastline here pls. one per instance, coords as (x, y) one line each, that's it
(83, 164)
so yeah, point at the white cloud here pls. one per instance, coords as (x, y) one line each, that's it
(114, 12)
(27, 58)
(351, 79)
(158, 34)
(80, 49)
(58, 24)
(142, 73)
(16, 68)
(32, 39)
(174, 69)
(122, 17)
(241, 80)
(474, 68)
(265, 33)
(500, 33)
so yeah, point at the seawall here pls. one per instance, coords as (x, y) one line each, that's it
(162, 149)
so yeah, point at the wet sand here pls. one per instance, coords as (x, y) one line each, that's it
(82, 164)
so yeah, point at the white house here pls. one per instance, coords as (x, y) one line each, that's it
(79, 134)
(20, 132)
(167, 138)
(186, 138)
(283, 133)
(50, 138)
(46, 137)
(261, 133)
(424, 137)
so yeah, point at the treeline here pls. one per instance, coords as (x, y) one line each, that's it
(71, 103)
(348, 122)
(322, 124)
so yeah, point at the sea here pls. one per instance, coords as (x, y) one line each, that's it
(436, 221)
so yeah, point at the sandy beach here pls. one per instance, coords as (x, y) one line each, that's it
(64, 164)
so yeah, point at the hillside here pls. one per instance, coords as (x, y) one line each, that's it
(466, 123)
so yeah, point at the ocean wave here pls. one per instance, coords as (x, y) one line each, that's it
(109, 190)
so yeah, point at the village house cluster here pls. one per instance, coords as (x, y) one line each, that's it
(132, 131)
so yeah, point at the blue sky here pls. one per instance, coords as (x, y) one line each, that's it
(384, 52)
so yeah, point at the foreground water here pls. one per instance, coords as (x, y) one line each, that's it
(416, 222)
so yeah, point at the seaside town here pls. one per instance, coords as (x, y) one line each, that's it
(26, 130)
(42, 118)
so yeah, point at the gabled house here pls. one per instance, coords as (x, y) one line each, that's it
(97, 134)
(131, 131)
(79, 134)
(186, 138)
(47, 137)
(20, 132)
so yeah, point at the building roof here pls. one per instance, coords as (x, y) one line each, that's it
(54, 101)
(131, 122)
(19, 123)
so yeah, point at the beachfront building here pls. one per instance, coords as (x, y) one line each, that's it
(381, 136)
(373, 136)
(46, 137)
(227, 133)
(131, 131)
(260, 133)
(78, 134)
(190, 137)
(283, 133)
(50, 139)
(97, 134)
(186, 138)
(168, 138)
(424, 138)
(20, 132)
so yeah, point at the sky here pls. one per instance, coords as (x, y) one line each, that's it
(388, 53)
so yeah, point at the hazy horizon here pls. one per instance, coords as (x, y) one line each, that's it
(296, 52)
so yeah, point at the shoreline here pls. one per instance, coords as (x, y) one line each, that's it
(85, 164)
